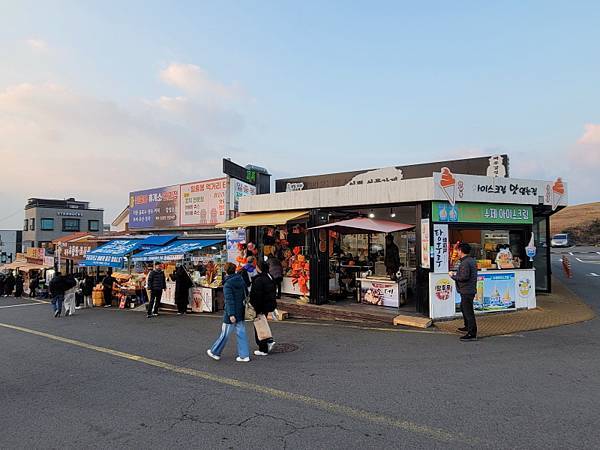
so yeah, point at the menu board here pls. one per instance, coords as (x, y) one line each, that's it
(203, 202)
(440, 248)
(154, 208)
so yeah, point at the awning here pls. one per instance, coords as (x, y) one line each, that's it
(366, 225)
(260, 219)
(24, 266)
(111, 254)
(175, 250)
(159, 239)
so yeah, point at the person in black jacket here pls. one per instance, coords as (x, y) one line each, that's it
(107, 287)
(9, 284)
(157, 283)
(87, 290)
(466, 285)
(263, 299)
(392, 257)
(183, 283)
(57, 288)
(34, 284)
(19, 282)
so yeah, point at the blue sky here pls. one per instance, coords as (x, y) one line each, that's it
(154, 93)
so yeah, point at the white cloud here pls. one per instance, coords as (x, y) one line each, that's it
(37, 44)
(195, 81)
(55, 142)
(591, 134)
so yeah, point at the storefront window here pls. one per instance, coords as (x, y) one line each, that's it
(93, 225)
(540, 261)
(32, 225)
(26, 225)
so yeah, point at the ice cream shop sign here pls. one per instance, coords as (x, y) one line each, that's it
(473, 188)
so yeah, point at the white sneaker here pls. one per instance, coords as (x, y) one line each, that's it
(213, 356)
(240, 359)
(259, 353)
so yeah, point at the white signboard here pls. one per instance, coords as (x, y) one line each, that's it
(474, 188)
(440, 248)
(425, 243)
(168, 297)
(201, 299)
(203, 203)
(238, 190)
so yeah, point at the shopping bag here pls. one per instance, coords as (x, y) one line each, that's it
(262, 327)
(250, 313)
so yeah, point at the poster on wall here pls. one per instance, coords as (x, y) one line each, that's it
(232, 239)
(154, 208)
(238, 190)
(425, 243)
(440, 248)
(203, 202)
(495, 292)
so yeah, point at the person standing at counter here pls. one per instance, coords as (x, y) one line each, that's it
(183, 283)
(392, 257)
(466, 285)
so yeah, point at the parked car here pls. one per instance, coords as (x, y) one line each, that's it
(560, 240)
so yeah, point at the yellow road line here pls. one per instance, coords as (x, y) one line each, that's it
(334, 408)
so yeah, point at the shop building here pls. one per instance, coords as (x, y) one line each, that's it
(47, 220)
(341, 234)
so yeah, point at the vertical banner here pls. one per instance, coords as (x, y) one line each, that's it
(233, 238)
(425, 243)
(239, 189)
(440, 248)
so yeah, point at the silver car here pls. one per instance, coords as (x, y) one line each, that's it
(560, 240)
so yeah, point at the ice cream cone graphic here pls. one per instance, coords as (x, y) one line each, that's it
(558, 190)
(448, 185)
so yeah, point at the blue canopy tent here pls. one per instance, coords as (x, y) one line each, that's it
(112, 254)
(175, 250)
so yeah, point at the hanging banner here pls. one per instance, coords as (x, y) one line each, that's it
(154, 208)
(203, 202)
(233, 238)
(238, 190)
(425, 243)
(440, 248)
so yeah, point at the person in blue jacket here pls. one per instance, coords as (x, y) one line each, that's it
(235, 292)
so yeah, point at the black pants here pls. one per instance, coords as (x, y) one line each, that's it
(155, 297)
(181, 306)
(32, 292)
(107, 297)
(278, 282)
(263, 345)
(466, 306)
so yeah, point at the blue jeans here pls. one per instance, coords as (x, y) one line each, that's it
(241, 338)
(57, 302)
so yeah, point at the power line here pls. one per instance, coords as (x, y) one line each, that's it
(11, 215)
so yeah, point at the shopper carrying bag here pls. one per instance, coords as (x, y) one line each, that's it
(263, 299)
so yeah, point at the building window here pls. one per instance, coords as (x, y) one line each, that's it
(47, 224)
(70, 225)
(32, 225)
(26, 225)
(93, 225)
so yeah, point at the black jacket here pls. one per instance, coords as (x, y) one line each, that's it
(263, 295)
(466, 277)
(183, 283)
(392, 258)
(157, 280)
(60, 284)
(88, 286)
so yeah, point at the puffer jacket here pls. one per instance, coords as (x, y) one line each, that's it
(157, 280)
(263, 295)
(234, 290)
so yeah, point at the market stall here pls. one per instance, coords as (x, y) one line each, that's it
(375, 282)
(28, 271)
(203, 261)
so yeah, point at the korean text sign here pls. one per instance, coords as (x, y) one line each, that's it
(440, 248)
(154, 208)
(203, 203)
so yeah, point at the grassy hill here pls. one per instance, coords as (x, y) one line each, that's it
(581, 221)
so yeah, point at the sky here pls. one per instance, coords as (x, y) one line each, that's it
(100, 98)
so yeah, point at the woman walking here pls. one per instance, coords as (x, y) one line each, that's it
(262, 298)
(235, 291)
(276, 272)
(183, 283)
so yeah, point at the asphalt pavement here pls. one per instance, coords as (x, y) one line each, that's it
(108, 378)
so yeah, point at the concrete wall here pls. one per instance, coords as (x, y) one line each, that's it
(11, 242)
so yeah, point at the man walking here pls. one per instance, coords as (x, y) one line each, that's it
(157, 283)
(466, 285)
(57, 288)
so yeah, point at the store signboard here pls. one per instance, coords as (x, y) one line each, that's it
(495, 292)
(373, 292)
(49, 261)
(425, 243)
(440, 248)
(239, 189)
(35, 253)
(482, 213)
(472, 188)
(154, 208)
(203, 202)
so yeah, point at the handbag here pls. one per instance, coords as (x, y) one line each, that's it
(250, 312)
(263, 330)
